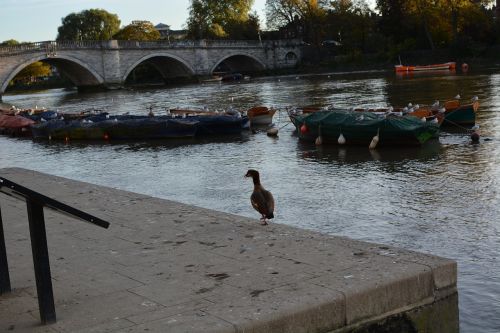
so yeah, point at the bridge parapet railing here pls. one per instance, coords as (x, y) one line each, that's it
(8, 50)
(132, 44)
(204, 43)
(51, 47)
(48, 47)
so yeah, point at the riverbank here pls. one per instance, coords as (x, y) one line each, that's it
(166, 266)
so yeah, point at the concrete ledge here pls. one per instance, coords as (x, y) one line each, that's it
(164, 266)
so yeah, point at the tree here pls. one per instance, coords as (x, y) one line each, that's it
(280, 13)
(138, 30)
(212, 18)
(91, 24)
(351, 23)
(304, 17)
(9, 42)
(35, 70)
(248, 29)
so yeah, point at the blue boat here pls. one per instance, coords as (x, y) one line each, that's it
(220, 124)
(128, 128)
(214, 123)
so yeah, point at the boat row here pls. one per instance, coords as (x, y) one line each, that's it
(453, 112)
(402, 126)
(98, 125)
(388, 126)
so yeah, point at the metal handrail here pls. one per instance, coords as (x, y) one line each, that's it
(35, 202)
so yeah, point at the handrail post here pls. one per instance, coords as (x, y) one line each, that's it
(40, 252)
(4, 265)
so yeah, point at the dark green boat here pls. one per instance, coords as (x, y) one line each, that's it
(457, 114)
(360, 128)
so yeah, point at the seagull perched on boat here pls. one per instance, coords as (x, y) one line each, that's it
(261, 199)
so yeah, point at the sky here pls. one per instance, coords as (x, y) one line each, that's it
(38, 20)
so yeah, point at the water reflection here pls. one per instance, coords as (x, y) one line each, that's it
(58, 146)
(358, 155)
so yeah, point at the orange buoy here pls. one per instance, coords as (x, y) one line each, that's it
(465, 67)
(106, 136)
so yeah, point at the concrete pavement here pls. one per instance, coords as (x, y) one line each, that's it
(163, 266)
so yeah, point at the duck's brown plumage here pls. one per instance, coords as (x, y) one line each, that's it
(261, 199)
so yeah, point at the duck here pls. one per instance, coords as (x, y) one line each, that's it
(261, 199)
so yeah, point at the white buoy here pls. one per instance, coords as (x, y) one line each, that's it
(272, 131)
(341, 140)
(319, 141)
(375, 140)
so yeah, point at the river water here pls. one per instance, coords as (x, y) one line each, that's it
(442, 198)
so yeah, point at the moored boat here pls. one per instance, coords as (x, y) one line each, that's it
(452, 112)
(449, 66)
(261, 115)
(355, 128)
(215, 122)
(460, 114)
(15, 125)
(213, 79)
(116, 128)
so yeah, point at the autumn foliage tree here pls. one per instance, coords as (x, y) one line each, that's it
(138, 30)
(91, 24)
(35, 70)
(303, 18)
(435, 23)
(218, 19)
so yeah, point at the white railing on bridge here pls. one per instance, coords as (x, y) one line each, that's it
(50, 47)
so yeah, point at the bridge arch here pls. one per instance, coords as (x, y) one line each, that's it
(240, 62)
(291, 58)
(79, 73)
(167, 64)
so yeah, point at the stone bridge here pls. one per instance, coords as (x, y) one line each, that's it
(109, 63)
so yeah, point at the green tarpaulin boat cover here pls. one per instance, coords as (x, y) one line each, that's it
(360, 127)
